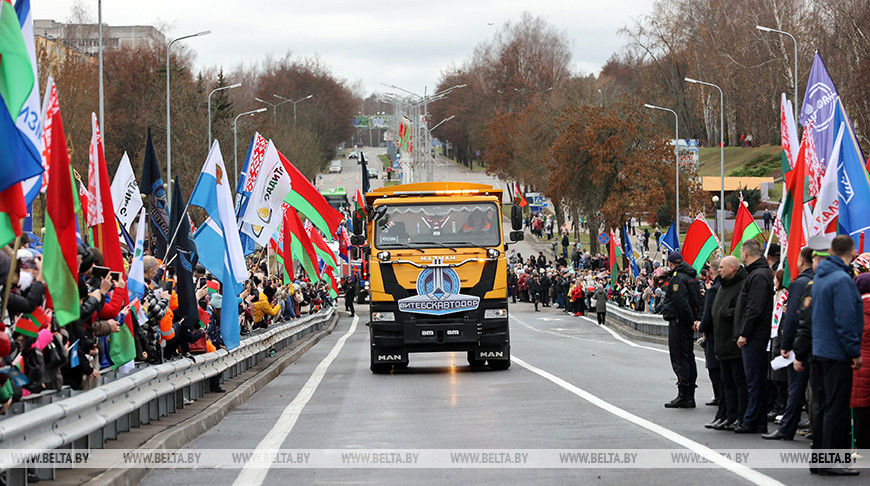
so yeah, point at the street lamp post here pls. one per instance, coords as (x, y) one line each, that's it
(274, 108)
(721, 153)
(768, 29)
(676, 153)
(100, 42)
(294, 103)
(236, 141)
(168, 119)
(209, 107)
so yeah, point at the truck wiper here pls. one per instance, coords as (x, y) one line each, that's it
(436, 243)
(390, 246)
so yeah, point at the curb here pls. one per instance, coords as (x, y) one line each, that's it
(195, 426)
(630, 332)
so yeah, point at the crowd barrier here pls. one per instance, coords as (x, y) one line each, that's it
(70, 420)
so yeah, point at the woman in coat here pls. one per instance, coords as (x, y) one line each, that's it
(600, 303)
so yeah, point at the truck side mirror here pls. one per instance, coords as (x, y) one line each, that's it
(516, 218)
(357, 225)
(517, 236)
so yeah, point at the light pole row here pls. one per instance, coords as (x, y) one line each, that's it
(677, 156)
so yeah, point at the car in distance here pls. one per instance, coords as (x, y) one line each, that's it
(353, 154)
(373, 173)
(335, 166)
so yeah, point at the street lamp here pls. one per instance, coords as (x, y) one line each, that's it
(274, 108)
(768, 29)
(168, 125)
(209, 107)
(721, 151)
(236, 140)
(294, 103)
(676, 153)
(716, 223)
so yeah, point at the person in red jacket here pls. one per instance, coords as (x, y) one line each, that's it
(860, 400)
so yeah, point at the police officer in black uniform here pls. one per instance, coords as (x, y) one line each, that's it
(678, 311)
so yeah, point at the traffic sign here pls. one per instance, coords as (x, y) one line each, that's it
(603, 238)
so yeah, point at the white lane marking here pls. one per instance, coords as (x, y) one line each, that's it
(556, 332)
(630, 343)
(255, 474)
(739, 469)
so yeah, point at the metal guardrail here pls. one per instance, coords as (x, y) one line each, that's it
(647, 323)
(85, 420)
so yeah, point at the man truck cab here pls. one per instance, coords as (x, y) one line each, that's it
(438, 275)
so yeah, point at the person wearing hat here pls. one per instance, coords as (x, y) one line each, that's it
(838, 325)
(773, 256)
(681, 318)
(752, 326)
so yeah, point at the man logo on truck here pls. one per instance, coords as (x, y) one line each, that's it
(438, 293)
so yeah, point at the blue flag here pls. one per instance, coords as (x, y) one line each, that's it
(853, 183)
(630, 253)
(818, 108)
(671, 240)
(248, 243)
(217, 240)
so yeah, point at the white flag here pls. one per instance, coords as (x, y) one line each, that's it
(264, 205)
(125, 193)
(827, 204)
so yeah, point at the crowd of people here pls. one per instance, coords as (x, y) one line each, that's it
(765, 346)
(40, 355)
(741, 314)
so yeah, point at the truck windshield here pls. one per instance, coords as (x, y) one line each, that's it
(467, 224)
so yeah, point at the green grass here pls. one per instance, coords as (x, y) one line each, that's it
(746, 162)
(385, 159)
(391, 183)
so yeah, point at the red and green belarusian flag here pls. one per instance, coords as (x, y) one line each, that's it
(745, 228)
(60, 249)
(359, 204)
(700, 243)
(615, 253)
(300, 245)
(213, 286)
(122, 345)
(793, 212)
(307, 200)
(519, 200)
(30, 324)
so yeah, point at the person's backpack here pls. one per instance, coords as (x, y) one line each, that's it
(696, 300)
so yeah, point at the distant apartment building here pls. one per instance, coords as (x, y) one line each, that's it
(85, 37)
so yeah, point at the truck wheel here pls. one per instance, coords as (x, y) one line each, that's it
(381, 368)
(475, 363)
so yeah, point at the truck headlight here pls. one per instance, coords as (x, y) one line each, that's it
(495, 314)
(383, 316)
(383, 256)
(492, 253)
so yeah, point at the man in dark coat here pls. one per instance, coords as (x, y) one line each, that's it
(681, 340)
(350, 295)
(705, 325)
(732, 275)
(752, 326)
(535, 290)
(797, 380)
(838, 327)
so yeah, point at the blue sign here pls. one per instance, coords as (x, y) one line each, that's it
(603, 238)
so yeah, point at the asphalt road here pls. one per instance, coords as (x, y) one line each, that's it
(572, 385)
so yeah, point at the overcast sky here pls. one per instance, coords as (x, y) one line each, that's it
(406, 42)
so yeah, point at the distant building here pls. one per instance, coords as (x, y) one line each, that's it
(85, 37)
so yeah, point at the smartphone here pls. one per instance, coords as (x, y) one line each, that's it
(115, 276)
(202, 281)
(100, 272)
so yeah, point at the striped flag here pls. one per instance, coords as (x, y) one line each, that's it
(30, 324)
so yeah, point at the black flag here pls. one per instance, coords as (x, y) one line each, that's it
(183, 260)
(152, 185)
(365, 173)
